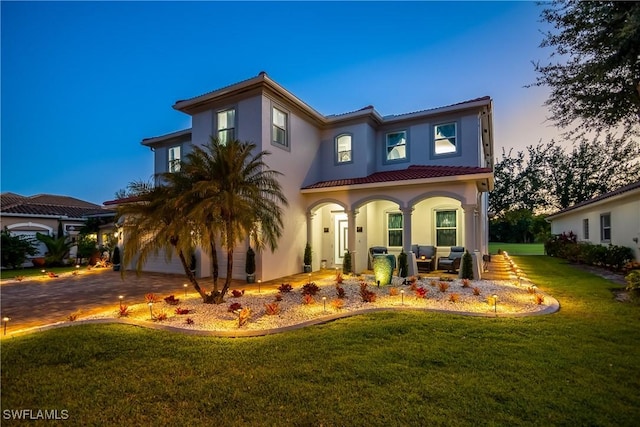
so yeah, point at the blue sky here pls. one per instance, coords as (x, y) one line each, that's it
(84, 82)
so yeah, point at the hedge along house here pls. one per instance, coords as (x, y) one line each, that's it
(611, 218)
(353, 180)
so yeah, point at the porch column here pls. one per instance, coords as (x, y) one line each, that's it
(406, 230)
(470, 233)
(351, 237)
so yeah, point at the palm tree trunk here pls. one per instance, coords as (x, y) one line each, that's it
(191, 276)
(215, 270)
(219, 298)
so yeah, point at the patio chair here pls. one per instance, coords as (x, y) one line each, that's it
(452, 262)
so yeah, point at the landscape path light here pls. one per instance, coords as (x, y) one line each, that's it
(402, 295)
(259, 281)
(495, 303)
(120, 298)
(5, 320)
(185, 289)
(324, 304)
(151, 309)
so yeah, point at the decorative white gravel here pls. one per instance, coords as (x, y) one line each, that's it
(512, 299)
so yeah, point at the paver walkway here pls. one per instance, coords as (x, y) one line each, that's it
(42, 301)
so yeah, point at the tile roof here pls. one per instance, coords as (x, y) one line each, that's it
(412, 172)
(619, 191)
(46, 205)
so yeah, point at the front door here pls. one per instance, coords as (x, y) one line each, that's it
(341, 233)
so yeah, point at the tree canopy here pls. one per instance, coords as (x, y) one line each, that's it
(549, 177)
(594, 71)
(222, 192)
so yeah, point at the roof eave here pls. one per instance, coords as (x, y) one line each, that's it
(421, 181)
(571, 210)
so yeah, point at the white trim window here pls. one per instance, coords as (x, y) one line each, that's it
(173, 154)
(446, 228)
(343, 148)
(605, 228)
(226, 125)
(445, 138)
(279, 127)
(394, 229)
(396, 146)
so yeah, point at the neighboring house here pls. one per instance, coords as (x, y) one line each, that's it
(353, 180)
(41, 213)
(612, 218)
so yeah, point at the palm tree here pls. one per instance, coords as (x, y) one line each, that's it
(155, 222)
(234, 194)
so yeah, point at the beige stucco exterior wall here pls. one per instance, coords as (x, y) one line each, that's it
(625, 221)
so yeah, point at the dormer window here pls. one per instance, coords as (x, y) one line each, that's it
(173, 155)
(445, 139)
(226, 125)
(343, 148)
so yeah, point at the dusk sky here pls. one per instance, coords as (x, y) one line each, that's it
(84, 82)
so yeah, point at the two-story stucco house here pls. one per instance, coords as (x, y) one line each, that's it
(353, 180)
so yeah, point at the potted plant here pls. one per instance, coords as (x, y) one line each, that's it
(115, 259)
(250, 266)
(307, 258)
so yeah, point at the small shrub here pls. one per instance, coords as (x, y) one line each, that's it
(182, 310)
(466, 283)
(346, 263)
(172, 300)
(421, 292)
(633, 280)
(340, 291)
(51, 274)
(310, 289)
(73, 316)
(337, 304)
(237, 293)
(19, 278)
(234, 307)
(339, 278)
(476, 290)
(307, 299)
(161, 316)
(454, 297)
(403, 264)
(413, 286)
(466, 269)
(123, 311)
(433, 283)
(531, 290)
(366, 294)
(244, 316)
(538, 298)
(443, 286)
(394, 292)
(278, 297)
(189, 321)
(446, 279)
(272, 309)
(284, 288)
(412, 279)
(151, 297)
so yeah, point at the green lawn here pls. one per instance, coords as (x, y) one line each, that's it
(576, 367)
(517, 248)
(31, 271)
